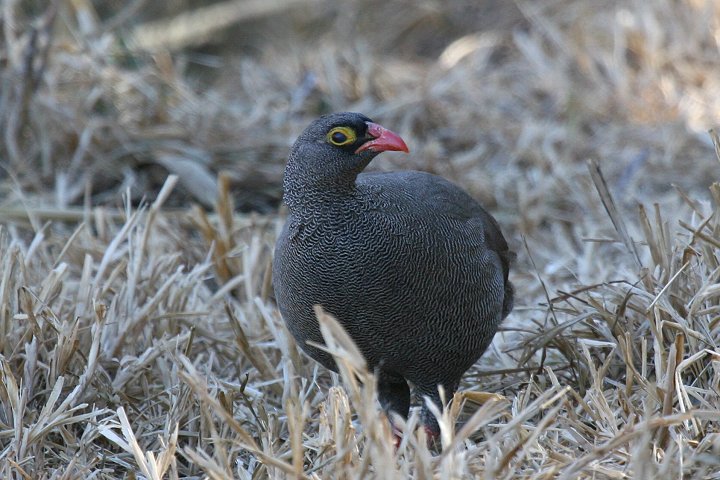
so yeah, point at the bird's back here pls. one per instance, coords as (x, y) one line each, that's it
(434, 195)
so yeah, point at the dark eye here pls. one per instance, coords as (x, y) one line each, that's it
(341, 136)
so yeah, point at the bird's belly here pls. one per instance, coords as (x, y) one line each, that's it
(407, 309)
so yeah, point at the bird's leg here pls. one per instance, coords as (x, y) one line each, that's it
(394, 396)
(429, 421)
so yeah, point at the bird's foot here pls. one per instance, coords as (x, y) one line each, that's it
(433, 437)
(397, 434)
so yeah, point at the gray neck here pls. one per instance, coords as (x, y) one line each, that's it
(302, 192)
(309, 184)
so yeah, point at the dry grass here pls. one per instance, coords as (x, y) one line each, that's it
(138, 338)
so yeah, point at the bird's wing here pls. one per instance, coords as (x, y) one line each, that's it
(413, 191)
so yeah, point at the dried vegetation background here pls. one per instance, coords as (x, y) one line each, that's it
(140, 169)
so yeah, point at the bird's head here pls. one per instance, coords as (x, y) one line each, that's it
(334, 149)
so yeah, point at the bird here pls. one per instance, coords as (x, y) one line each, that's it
(412, 266)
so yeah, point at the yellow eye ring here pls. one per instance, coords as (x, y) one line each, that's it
(341, 136)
